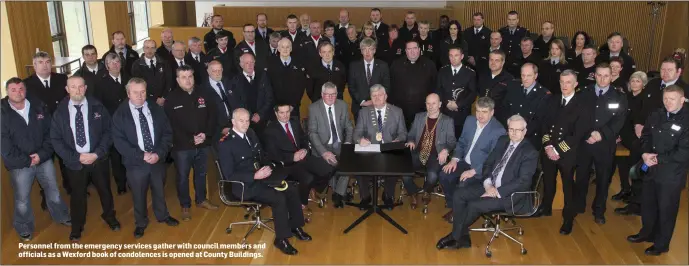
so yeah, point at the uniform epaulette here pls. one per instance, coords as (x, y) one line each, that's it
(546, 138)
(620, 89)
(445, 66)
(472, 70)
(563, 146)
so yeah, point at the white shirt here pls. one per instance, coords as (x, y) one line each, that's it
(92, 69)
(498, 179)
(456, 69)
(288, 61)
(328, 64)
(195, 56)
(72, 124)
(477, 134)
(567, 98)
(24, 113)
(118, 78)
(330, 141)
(668, 83)
(241, 135)
(494, 49)
(44, 80)
(614, 54)
(252, 46)
(180, 62)
(151, 61)
(219, 91)
(376, 25)
(477, 29)
(293, 35)
(345, 26)
(149, 119)
(273, 50)
(315, 41)
(246, 75)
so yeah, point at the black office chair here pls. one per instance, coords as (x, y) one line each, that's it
(509, 216)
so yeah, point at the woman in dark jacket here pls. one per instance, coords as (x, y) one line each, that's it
(551, 67)
(573, 55)
(392, 49)
(454, 40)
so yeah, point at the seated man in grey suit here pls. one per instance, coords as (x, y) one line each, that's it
(377, 124)
(329, 126)
(479, 135)
(509, 168)
(431, 138)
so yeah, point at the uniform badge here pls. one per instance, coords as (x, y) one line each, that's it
(399, 51)
(483, 37)
(430, 48)
(337, 69)
(613, 105)
(295, 68)
(177, 107)
(96, 115)
(160, 70)
(202, 102)
(39, 116)
(379, 136)
(675, 127)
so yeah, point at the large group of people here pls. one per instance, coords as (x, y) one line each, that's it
(536, 104)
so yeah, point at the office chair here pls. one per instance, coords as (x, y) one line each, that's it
(509, 216)
(437, 191)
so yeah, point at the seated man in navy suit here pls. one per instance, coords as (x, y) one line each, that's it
(239, 155)
(480, 133)
(508, 169)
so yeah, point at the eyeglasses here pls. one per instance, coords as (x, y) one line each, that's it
(515, 130)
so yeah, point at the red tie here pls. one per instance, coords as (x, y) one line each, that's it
(289, 134)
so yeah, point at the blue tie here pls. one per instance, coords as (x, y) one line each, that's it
(380, 121)
(148, 141)
(600, 92)
(79, 125)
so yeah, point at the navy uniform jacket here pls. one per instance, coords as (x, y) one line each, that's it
(35, 88)
(260, 38)
(159, 81)
(62, 135)
(669, 138)
(288, 82)
(199, 67)
(90, 78)
(476, 42)
(166, 54)
(209, 42)
(608, 117)
(229, 69)
(529, 107)
(236, 159)
(110, 93)
(20, 140)
(126, 140)
(232, 102)
(549, 75)
(320, 75)
(460, 88)
(261, 53)
(513, 42)
(628, 68)
(126, 65)
(652, 97)
(565, 127)
(262, 104)
(496, 89)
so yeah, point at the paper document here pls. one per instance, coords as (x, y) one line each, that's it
(367, 148)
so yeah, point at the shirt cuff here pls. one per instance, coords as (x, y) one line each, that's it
(362, 101)
(555, 150)
(455, 159)
(487, 183)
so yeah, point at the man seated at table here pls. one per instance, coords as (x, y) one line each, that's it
(480, 133)
(508, 169)
(239, 152)
(432, 135)
(378, 124)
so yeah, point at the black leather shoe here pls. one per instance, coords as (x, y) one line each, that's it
(447, 242)
(624, 194)
(139, 232)
(337, 201)
(121, 191)
(170, 221)
(637, 238)
(114, 225)
(364, 204)
(389, 201)
(653, 251)
(26, 238)
(284, 246)
(543, 212)
(627, 210)
(75, 237)
(300, 234)
(599, 219)
(566, 228)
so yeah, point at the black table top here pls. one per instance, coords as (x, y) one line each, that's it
(387, 163)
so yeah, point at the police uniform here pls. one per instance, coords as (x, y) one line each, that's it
(289, 82)
(459, 87)
(159, 78)
(549, 75)
(608, 118)
(477, 42)
(443, 55)
(668, 136)
(653, 97)
(513, 41)
(518, 102)
(495, 88)
(482, 58)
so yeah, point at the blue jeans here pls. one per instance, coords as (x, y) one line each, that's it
(22, 181)
(184, 161)
(432, 169)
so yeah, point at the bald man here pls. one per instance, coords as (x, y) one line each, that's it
(165, 49)
(288, 76)
(255, 91)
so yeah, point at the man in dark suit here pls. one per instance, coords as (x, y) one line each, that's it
(127, 54)
(92, 69)
(178, 57)
(365, 73)
(166, 42)
(310, 45)
(288, 77)
(294, 34)
(275, 37)
(240, 158)
(259, 49)
(262, 31)
(542, 44)
(527, 98)
(615, 45)
(80, 134)
(478, 38)
(327, 69)
(111, 92)
(217, 88)
(483, 56)
(142, 134)
(565, 125)
(410, 29)
(379, 26)
(255, 92)
(494, 84)
(223, 53)
(457, 89)
(512, 35)
(479, 136)
(156, 71)
(508, 169)
(194, 58)
(341, 28)
(347, 49)
(670, 74)
(411, 79)
(210, 39)
(514, 65)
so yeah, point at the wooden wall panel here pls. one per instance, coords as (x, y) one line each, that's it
(598, 19)
(182, 13)
(30, 29)
(238, 16)
(675, 32)
(117, 19)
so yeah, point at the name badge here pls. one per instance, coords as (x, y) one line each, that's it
(613, 105)
(675, 127)
(177, 107)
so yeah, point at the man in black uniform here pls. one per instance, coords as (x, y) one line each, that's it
(365, 73)
(527, 100)
(324, 70)
(341, 28)
(512, 35)
(166, 42)
(514, 65)
(615, 42)
(294, 34)
(457, 89)
(192, 117)
(380, 27)
(410, 29)
(494, 84)
(194, 58)
(155, 71)
(255, 92)
(347, 49)
(665, 143)
(92, 69)
(262, 31)
(259, 49)
(110, 91)
(223, 53)
(542, 43)
(240, 157)
(478, 38)
(411, 79)
(482, 60)
(587, 69)
(600, 140)
(565, 124)
(313, 41)
(670, 74)
(428, 45)
(126, 53)
(443, 30)
(288, 77)
(211, 38)
(275, 37)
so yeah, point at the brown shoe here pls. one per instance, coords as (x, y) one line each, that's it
(186, 214)
(413, 202)
(448, 217)
(426, 198)
(207, 205)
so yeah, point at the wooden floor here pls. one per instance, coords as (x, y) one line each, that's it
(373, 242)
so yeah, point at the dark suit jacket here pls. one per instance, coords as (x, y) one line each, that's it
(50, 96)
(165, 53)
(110, 93)
(382, 33)
(159, 81)
(496, 89)
(126, 140)
(261, 55)
(209, 42)
(260, 38)
(359, 88)
(198, 66)
(128, 62)
(90, 78)
(320, 75)
(236, 159)
(240, 86)
(517, 174)
(62, 136)
(309, 50)
(549, 75)
(232, 102)
(278, 147)
(297, 42)
(444, 132)
(460, 88)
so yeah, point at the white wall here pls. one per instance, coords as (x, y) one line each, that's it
(205, 7)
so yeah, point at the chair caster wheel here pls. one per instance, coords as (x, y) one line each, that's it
(521, 232)
(321, 204)
(523, 251)
(489, 254)
(246, 217)
(307, 220)
(425, 210)
(228, 230)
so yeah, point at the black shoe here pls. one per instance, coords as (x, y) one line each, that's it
(25, 238)
(624, 194)
(139, 232)
(447, 242)
(114, 225)
(389, 201)
(364, 204)
(67, 223)
(284, 246)
(627, 210)
(566, 228)
(599, 219)
(637, 238)
(75, 237)
(543, 212)
(653, 251)
(337, 201)
(121, 191)
(300, 234)
(170, 221)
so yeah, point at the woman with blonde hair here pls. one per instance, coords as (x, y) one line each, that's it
(552, 66)
(368, 30)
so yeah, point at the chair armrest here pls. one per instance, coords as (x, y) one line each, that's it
(221, 185)
(536, 202)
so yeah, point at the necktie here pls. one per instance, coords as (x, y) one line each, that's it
(563, 102)
(333, 130)
(671, 116)
(122, 58)
(376, 27)
(196, 57)
(46, 84)
(223, 97)
(501, 165)
(94, 72)
(289, 134)
(600, 92)
(79, 126)
(285, 63)
(526, 92)
(455, 72)
(251, 79)
(117, 80)
(263, 34)
(145, 131)
(247, 140)
(662, 86)
(380, 121)
(153, 65)
(511, 32)
(552, 62)
(274, 51)
(475, 31)
(328, 67)
(181, 63)
(368, 73)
